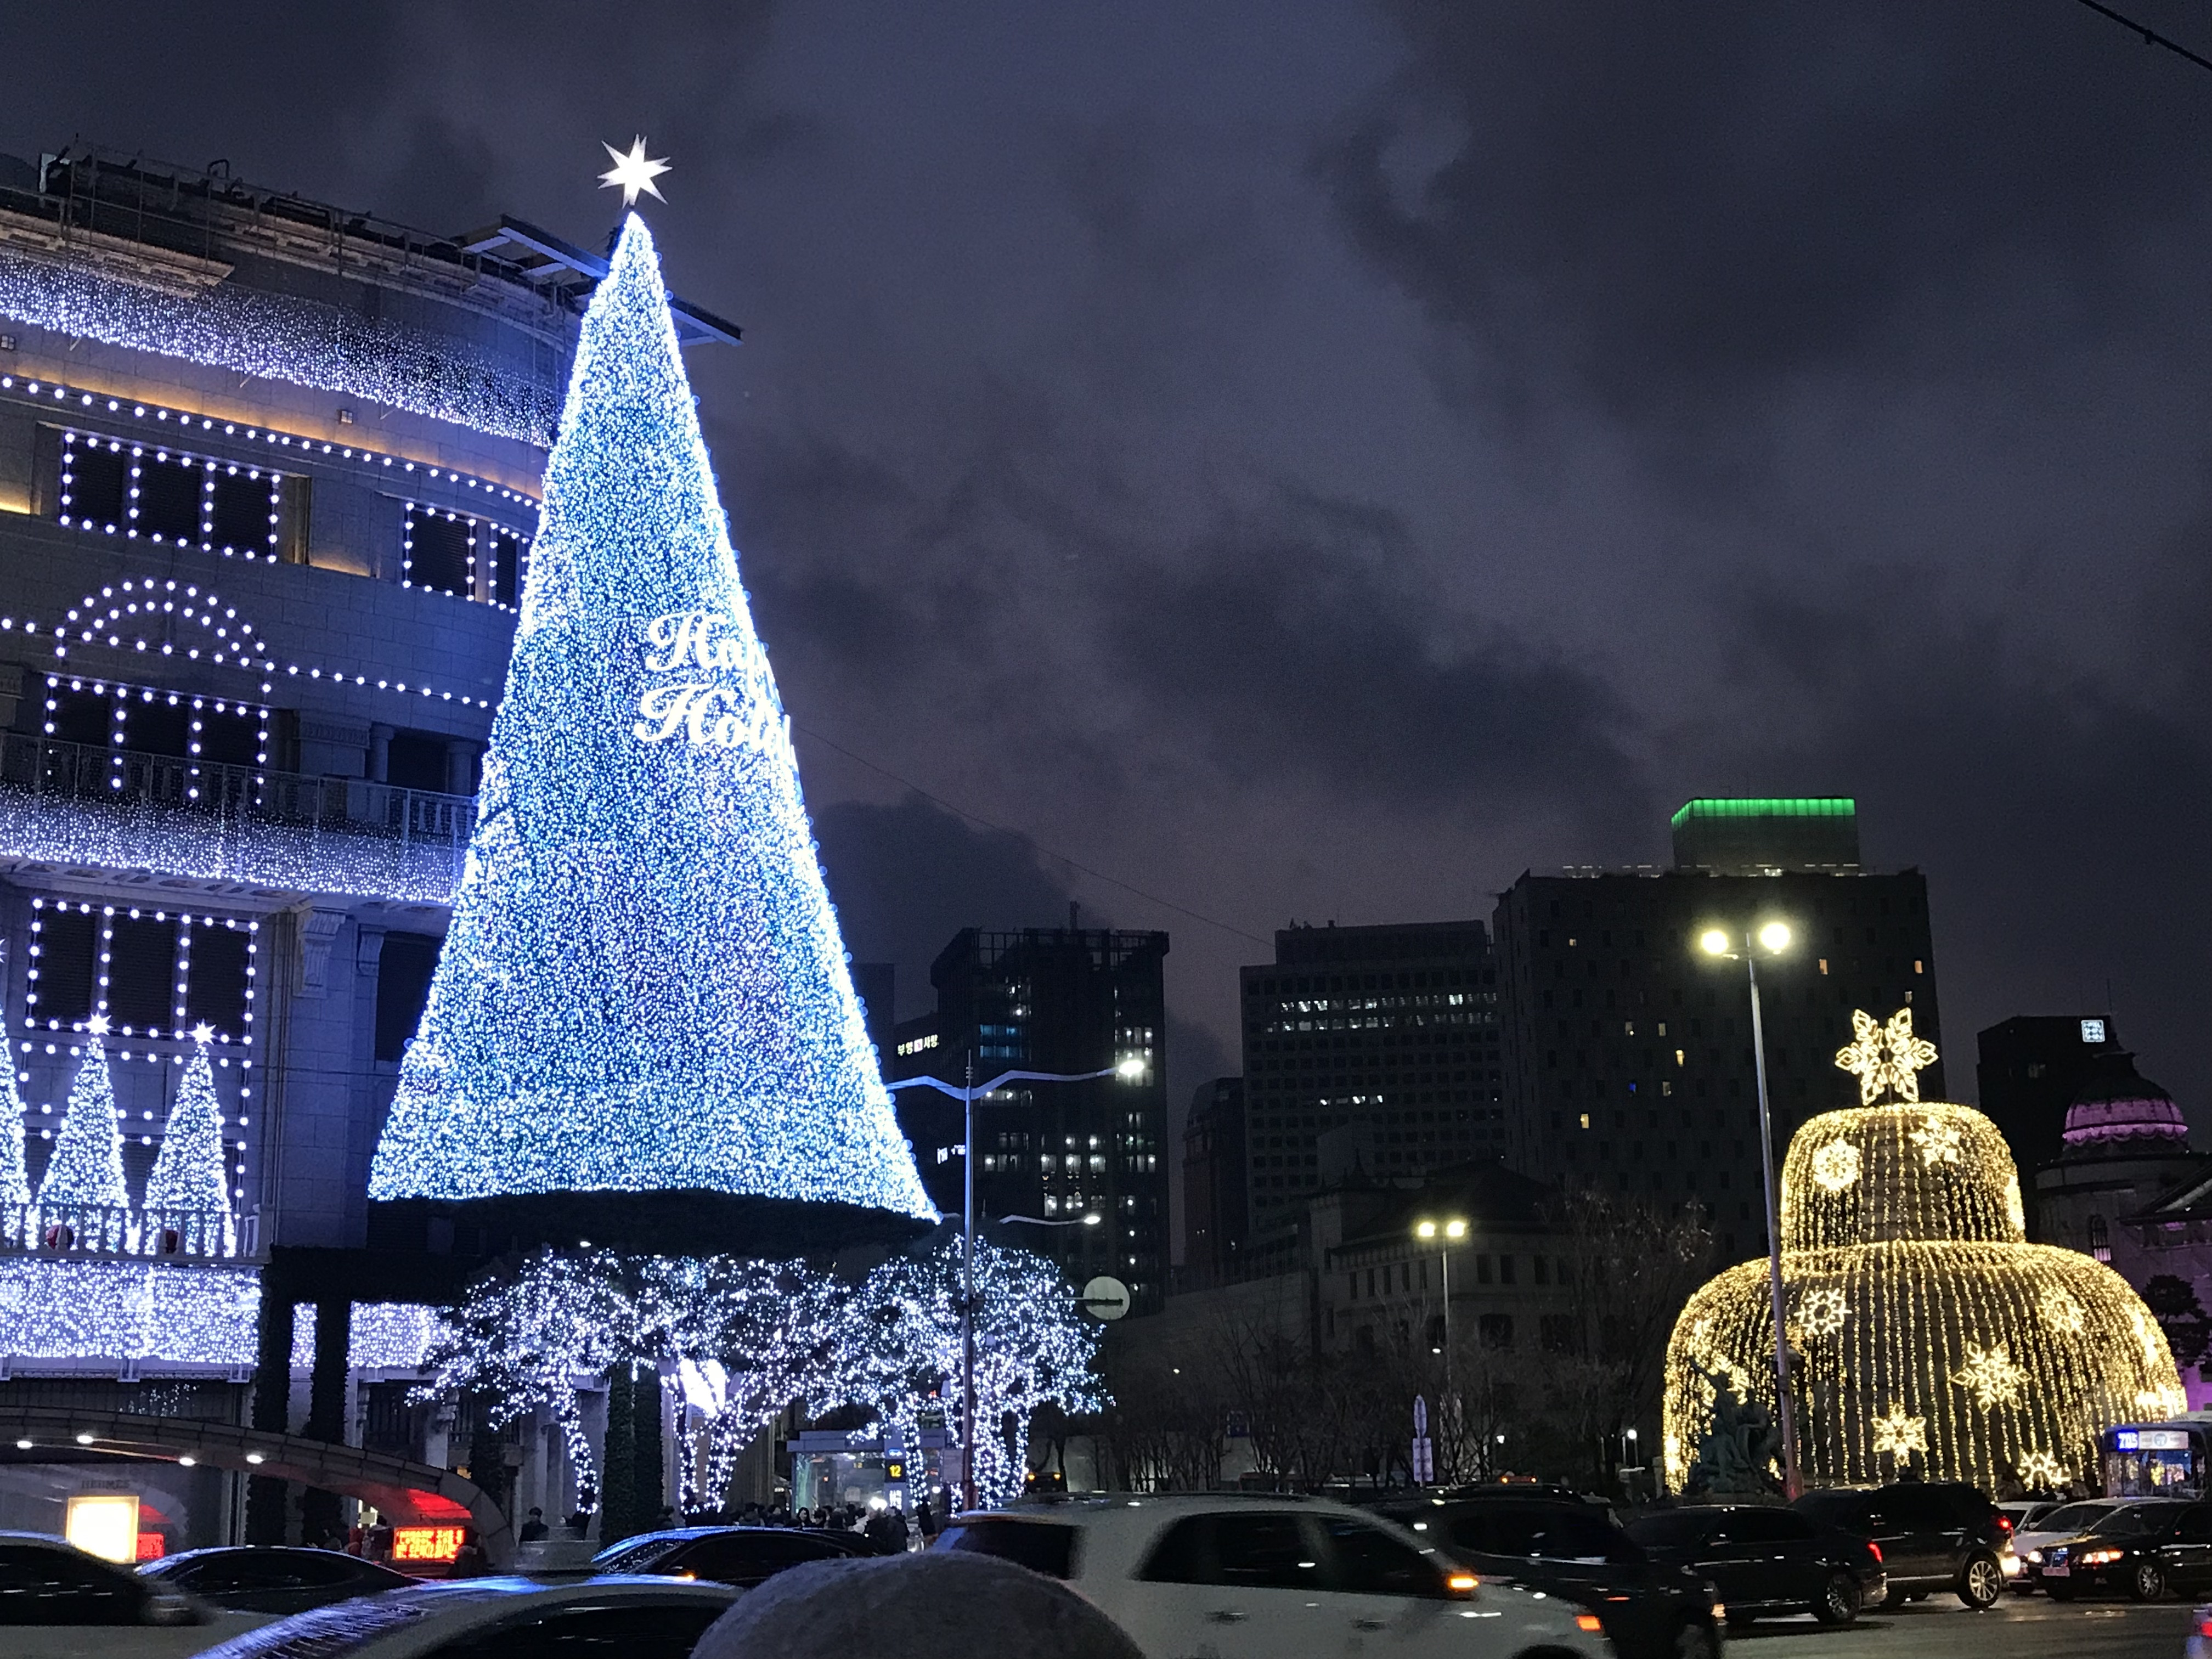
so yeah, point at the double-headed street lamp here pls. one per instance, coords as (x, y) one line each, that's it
(968, 1093)
(1444, 1234)
(1773, 938)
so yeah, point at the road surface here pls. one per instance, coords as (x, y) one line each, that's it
(2019, 1627)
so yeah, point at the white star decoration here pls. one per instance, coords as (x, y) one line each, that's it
(632, 173)
(97, 1025)
(202, 1032)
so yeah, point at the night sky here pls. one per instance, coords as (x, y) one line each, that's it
(1317, 461)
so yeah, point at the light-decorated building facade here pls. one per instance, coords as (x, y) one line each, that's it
(1924, 1332)
(269, 474)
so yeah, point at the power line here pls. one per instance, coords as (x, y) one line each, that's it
(2150, 37)
(1008, 830)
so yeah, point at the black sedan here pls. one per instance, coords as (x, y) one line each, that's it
(1767, 1561)
(272, 1578)
(1576, 1550)
(2145, 1549)
(744, 1556)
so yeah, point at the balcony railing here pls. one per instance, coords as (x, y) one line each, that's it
(78, 1231)
(79, 803)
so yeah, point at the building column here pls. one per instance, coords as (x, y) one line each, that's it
(271, 1409)
(379, 754)
(319, 1512)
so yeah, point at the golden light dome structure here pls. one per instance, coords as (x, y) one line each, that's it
(1924, 1329)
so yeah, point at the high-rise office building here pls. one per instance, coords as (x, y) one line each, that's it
(1389, 1029)
(1628, 1050)
(1215, 1212)
(2028, 1070)
(1052, 1000)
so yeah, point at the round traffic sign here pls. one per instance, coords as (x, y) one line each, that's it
(1105, 1298)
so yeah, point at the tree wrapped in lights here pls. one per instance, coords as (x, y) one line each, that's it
(643, 986)
(189, 1189)
(1925, 1331)
(14, 1173)
(82, 1188)
(899, 1352)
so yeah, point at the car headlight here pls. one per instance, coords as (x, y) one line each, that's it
(2101, 1557)
(2035, 1557)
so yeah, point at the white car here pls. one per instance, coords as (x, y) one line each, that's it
(1256, 1577)
(490, 1618)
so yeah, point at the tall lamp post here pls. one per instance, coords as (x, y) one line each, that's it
(1773, 938)
(1450, 1232)
(968, 1092)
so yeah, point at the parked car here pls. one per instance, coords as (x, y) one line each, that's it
(744, 1556)
(1567, 1547)
(2056, 1524)
(497, 1618)
(1765, 1561)
(1260, 1576)
(50, 1591)
(1933, 1535)
(2145, 1549)
(271, 1578)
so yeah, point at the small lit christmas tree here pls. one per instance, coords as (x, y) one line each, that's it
(87, 1165)
(643, 987)
(15, 1174)
(190, 1187)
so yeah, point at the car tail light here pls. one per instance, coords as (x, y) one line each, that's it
(1874, 1550)
(2204, 1625)
(1462, 1584)
(1588, 1623)
(2004, 1523)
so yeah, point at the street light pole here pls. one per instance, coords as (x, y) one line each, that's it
(1793, 1486)
(968, 1093)
(1775, 938)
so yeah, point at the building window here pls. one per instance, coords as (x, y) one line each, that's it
(115, 488)
(404, 967)
(152, 973)
(198, 732)
(2100, 1242)
(469, 558)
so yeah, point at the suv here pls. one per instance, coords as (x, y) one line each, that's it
(1933, 1535)
(1767, 1561)
(1260, 1576)
(1565, 1547)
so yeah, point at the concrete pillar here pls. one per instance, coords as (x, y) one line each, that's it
(379, 754)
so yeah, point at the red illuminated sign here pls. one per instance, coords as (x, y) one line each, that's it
(426, 1543)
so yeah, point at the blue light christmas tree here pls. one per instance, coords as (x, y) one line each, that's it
(15, 1174)
(87, 1165)
(643, 986)
(189, 1184)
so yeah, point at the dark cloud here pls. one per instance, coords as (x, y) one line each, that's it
(1666, 207)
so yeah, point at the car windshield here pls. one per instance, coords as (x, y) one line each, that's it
(2070, 1517)
(1838, 1508)
(632, 1554)
(2131, 1522)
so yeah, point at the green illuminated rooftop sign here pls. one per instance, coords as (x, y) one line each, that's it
(1773, 806)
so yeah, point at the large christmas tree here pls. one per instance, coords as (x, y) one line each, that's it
(189, 1189)
(15, 1174)
(643, 986)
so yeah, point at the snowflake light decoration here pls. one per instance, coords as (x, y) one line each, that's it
(1939, 1142)
(2062, 1310)
(1899, 1435)
(1836, 1165)
(1822, 1312)
(1887, 1059)
(2041, 1472)
(1989, 1374)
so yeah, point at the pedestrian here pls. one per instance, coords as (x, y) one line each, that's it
(925, 1517)
(535, 1527)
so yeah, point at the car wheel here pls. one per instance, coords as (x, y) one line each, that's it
(1696, 1642)
(2060, 1589)
(1981, 1581)
(2147, 1581)
(1840, 1600)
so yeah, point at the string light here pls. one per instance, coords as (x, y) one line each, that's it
(1924, 1329)
(643, 985)
(192, 1315)
(282, 338)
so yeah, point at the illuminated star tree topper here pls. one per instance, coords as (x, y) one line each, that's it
(87, 1165)
(643, 986)
(1887, 1059)
(632, 173)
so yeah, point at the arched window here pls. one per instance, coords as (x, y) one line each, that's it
(2100, 1241)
